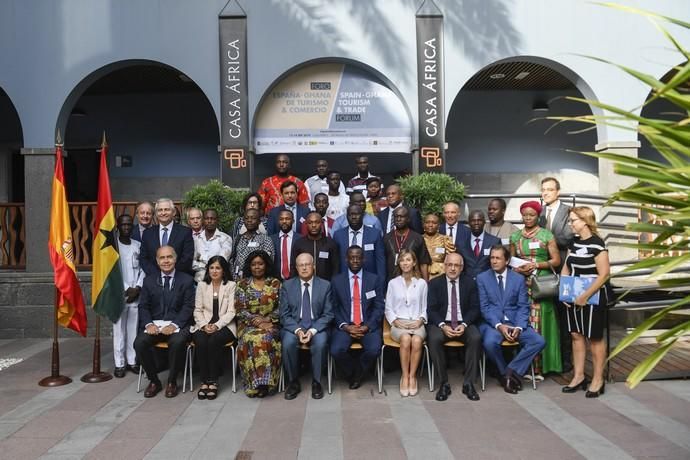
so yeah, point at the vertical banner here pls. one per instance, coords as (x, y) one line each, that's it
(234, 110)
(429, 25)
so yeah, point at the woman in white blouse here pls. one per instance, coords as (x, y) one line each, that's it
(406, 313)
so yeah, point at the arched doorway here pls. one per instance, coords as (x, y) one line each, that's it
(498, 141)
(11, 143)
(335, 110)
(160, 126)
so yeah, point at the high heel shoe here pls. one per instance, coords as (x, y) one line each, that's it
(580, 386)
(403, 391)
(415, 390)
(595, 394)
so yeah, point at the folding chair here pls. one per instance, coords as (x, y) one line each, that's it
(331, 370)
(505, 343)
(305, 346)
(187, 366)
(389, 342)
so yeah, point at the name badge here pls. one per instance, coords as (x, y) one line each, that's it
(440, 250)
(370, 294)
(301, 220)
(505, 241)
(581, 252)
(369, 247)
(487, 251)
(253, 244)
(534, 245)
(323, 254)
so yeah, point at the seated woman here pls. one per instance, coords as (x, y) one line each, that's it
(258, 348)
(537, 246)
(587, 257)
(251, 201)
(406, 313)
(214, 314)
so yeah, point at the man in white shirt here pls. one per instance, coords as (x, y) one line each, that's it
(211, 242)
(125, 329)
(318, 183)
(337, 201)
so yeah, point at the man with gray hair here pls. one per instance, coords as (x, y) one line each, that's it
(167, 233)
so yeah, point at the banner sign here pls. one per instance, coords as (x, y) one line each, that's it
(234, 113)
(429, 21)
(332, 108)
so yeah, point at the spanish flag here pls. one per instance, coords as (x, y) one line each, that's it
(107, 288)
(70, 302)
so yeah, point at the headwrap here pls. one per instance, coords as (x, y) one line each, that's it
(531, 204)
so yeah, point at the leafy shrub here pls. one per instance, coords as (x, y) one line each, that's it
(430, 191)
(227, 201)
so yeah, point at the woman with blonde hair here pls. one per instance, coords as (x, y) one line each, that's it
(406, 313)
(587, 257)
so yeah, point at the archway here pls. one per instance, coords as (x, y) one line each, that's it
(11, 143)
(499, 143)
(161, 129)
(334, 109)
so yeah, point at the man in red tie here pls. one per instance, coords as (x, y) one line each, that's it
(282, 244)
(476, 248)
(358, 306)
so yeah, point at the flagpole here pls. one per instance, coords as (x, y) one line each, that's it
(55, 379)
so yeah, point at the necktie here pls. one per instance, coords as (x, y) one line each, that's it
(166, 283)
(500, 285)
(357, 302)
(285, 267)
(450, 232)
(476, 247)
(305, 322)
(390, 221)
(164, 240)
(166, 295)
(325, 226)
(453, 305)
(354, 239)
(548, 218)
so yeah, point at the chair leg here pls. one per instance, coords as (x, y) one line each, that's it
(429, 369)
(330, 372)
(383, 347)
(281, 380)
(187, 369)
(482, 371)
(141, 371)
(534, 380)
(233, 350)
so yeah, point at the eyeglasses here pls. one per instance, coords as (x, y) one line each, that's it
(570, 221)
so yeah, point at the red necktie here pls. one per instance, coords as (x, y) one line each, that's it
(357, 313)
(476, 247)
(285, 268)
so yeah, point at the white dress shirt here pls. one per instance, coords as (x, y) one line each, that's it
(337, 205)
(359, 238)
(160, 232)
(406, 302)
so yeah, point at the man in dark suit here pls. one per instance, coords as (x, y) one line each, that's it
(166, 306)
(475, 250)
(320, 205)
(505, 307)
(405, 238)
(453, 311)
(452, 225)
(395, 197)
(306, 313)
(299, 212)
(167, 233)
(358, 304)
(283, 242)
(323, 249)
(367, 238)
(144, 220)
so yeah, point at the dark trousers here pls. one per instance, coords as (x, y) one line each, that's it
(177, 345)
(340, 350)
(473, 345)
(209, 352)
(318, 347)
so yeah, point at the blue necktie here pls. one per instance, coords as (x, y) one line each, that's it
(305, 323)
(354, 238)
(501, 289)
(164, 240)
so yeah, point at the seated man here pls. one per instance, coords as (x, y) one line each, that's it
(505, 307)
(166, 306)
(453, 311)
(358, 304)
(306, 313)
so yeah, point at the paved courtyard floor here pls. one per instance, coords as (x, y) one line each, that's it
(112, 421)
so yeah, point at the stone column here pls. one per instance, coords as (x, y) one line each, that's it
(609, 183)
(39, 167)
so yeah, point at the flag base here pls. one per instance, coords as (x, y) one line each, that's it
(96, 377)
(54, 381)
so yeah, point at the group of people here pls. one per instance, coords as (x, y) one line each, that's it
(319, 265)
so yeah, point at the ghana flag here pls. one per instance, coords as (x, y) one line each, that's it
(106, 286)
(70, 301)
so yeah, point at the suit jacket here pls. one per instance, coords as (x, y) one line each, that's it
(180, 239)
(278, 247)
(203, 306)
(180, 307)
(136, 232)
(302, 228)
(512, 308)
(559, 226)
(415, 219)
(372, 305)
(291, 304)
(272, 223)
(437, 300)
(462, 234)
(372, 244)
(369, 221)
(475, 265)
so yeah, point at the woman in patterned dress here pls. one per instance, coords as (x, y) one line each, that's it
(537, 246)
(258, 326)
(438, 245)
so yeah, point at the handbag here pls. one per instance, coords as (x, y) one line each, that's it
(545, 286)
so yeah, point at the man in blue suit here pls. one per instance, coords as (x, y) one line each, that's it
(358, 304)
(369, 220)
(452, 226)
(306, 313)
(167, 233)
(283, 242)
(367, 238)
(475, 250)
(505, 308)
(288, 190)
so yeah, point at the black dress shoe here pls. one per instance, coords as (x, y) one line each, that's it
(153, 389)
(171, 390)
(292, 390)
(509, 386)
(517, 383)
(595, 394)
(355, 383)
(119, 372)
(469, 391)
(443, 392)
(580, 386)
(134, 368)
(316, 390)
